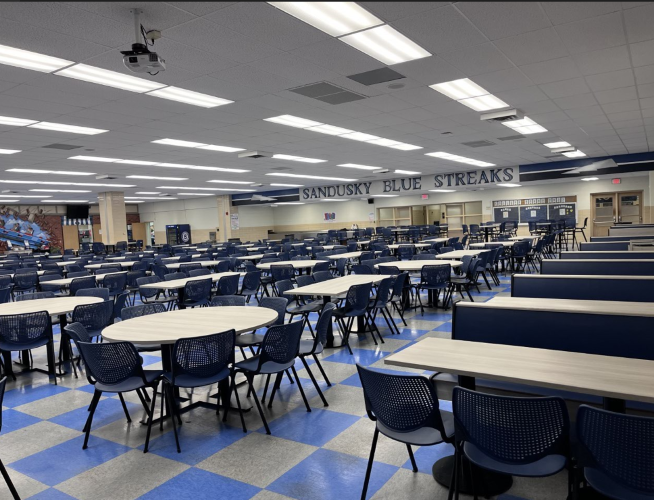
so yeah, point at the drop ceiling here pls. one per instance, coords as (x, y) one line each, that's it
(584, 71)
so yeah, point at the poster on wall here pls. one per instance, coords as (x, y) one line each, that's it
(329, 217)
(371, 216)
(235, 222)
(502, 214)
(562, 211)
(27, 227)
(533, 213)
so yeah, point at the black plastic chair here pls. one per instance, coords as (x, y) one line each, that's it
(115, 367)
(277, 304)
(10, 485)
(115, 283)
(405, 409)
(434, 278)
(25, 282)
(198, 362)
(94, 317)
(80, 283)
(526, 437)
(24, 332)
(356, 305)
(100, 293)
(303, 307)
(228, 285)
(616, 453)
(320, 266)
(320, 276)
(194, 273)
(35, 296)
(154, 295)
(251, 285)
(279, 348)
(197, 293)
(227, 300)
(379, 304)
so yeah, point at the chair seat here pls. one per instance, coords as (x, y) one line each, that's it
(131, 383)
(310, 307)
(607, 486)
(196, 303)
(342, 313)
(248, 339)
(306, 347)
(8, 346)
(161, 300)
(546, 466)
(190, 381)
(424, 436)
(251, 364)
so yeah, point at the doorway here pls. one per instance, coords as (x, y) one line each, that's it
(608, 209)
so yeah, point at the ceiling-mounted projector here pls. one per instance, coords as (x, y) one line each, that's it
(140, 59)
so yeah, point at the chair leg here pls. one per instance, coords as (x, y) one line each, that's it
(256, 400)
(299, 386)
(122, 402)
(278, 381)
(371, 459)
(313, 379)
(87, 427)
(238, 403)
(322, 371)
(151, 417)
(413, 460)
(170, 403)
(144, 402)
(10, 484)
(265, 389)
(51, 360)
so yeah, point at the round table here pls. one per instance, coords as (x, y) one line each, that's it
(297, 264)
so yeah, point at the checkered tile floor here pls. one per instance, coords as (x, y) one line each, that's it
(320, 455)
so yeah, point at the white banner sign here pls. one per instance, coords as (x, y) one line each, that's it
(410, 185)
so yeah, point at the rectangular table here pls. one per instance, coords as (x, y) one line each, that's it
(347, 255)
(179, 284)
(572, 306)
(203, 263)
(458, 254)
(483, 245)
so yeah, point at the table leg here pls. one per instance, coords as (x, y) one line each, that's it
(180, 298)
(494, 483)
(330, 330)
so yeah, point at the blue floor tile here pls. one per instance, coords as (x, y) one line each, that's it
(51, 494)
(364, 357)
(108, 410)
(13, 420)
(30, 393)
(427, 455)
(66, 460)
(329, 475)
(408, 333)
(355, 381)
(314, 428)
(196, 484)
(445, 327)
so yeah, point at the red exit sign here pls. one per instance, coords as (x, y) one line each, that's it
(615, 181)
(425, 196)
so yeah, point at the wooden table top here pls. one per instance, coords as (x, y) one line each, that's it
(55, 306)
(203, 263)
(521, 238)
(297, 264)
(346, 255)
(417, 265)
(457, 254)
(605, 376)
(180, 283)
(326, 247)
(68, 281)
(255, 256)
(128, 263)
(437, 240)
(571, 306)
(483, 245)
(39, 273)
(167, 327)
(336, 286)
(395, 246)
(256, 249)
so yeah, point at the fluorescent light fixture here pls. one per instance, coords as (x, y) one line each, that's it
(109, 78)
(335, 199)
(9, 151)
(23, 196)
(73, 129)
(150, 177)
(15, 122)
(360, 136)
(10, 201)
(231, 182)
(158, 164)
(148, 192)
(442, 190)
(360, 167)
(189, 97)
(224, 149)
(316, 177)
(288, 185)
(330, 130)
(509, 185)
(94, 158)
(386, 44)
(146, 198)
(460, 89)
(64, 201)
(383, 142)
(560, 144)
(194, 194)
(590, 179)
(60, 190)
(288, 203)
(205, 188)
(175, 142)
(484, 103)
(293, 121)
(460, 159)
(334, 18)
(384, 195)
(407, 172)
(574, 154)
(200, 167)
(31, 60)
(52, 183)
(298, 158)
(137, 162)
(525, 126)
(37, 171)
(405, 147)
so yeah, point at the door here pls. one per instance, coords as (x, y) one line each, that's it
(607, 209)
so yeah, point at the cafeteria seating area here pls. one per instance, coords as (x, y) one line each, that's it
(326, 251)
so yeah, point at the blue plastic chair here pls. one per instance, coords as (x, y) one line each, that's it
(277, 304)
(81, 283)
(251, 285)
(154, 295)
(115, 367)
(356, 305)
(198, 362)
(35, 296)
(404, 409)
(197, 293)
(115, 283)
(10, 485)
(320, 266)
(101, 293)
(526, 437)
(228, 285)
(379, 304)
(279, 348)
(434, 278)
(25, 282)
(227, 300)
(94, 317)
(616, 453)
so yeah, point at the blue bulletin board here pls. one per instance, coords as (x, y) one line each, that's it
(502, 214)
(533, 213)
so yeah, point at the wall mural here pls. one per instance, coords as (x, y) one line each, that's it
(19, 225)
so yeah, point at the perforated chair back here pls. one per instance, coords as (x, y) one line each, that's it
(80, 283)
(389, 270)
(284, 286)
(175, 276)
(509, 429)
(281, 343)
(203, 357)
(148, 293)
(619, 446)
(26, 280)
(194, 273)
(111, 363)
(277, 304)
(362, 269)
(436, 275)
(115, 283)
(227, 300)
(101, 293)
(5, 294)
(384, 291)
(94, 317)
(357, 297)
(281, 272)
(21, 329)
(198, 290)
(35, 296)
(402, 403)
(186, 268)
(320, 276)
(141, 310)
(228, 285)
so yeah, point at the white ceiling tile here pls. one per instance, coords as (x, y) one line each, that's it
(200, 8)
(624, 116)
(553, 70)
(477, 59)
(644, 74)
(616, 95)
(593, 34)
(576, 101)
(612, 80)
(413, 114)
(639, 23)
(545, 106)
(337, 56)
(642, 53)
(565, 88)
(386, 103)
(545, 118)
(646, 90)
(156, 15)
(532, 47)
(507, 79)
(429, 70)
(585, 112)
(502, 19)
(647, 103)
(566, 12)
(517, 97)
(391, 11)
(603, 61)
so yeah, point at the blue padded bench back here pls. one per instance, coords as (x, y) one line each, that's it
(607, 255)
(603, 247)
(601, 267)
(608, 239)
(603, 334)
(636, 289)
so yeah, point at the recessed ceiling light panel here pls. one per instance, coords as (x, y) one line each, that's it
(31, 60)
(386, 44)
(108, 78)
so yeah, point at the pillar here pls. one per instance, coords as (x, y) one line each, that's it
(113, 220)
(224, 214)
(650, 203)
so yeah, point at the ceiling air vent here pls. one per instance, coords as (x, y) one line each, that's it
(65, 147)
(381, 75)
(327, 92)
(280, 168)
(478, 144)
(511, 138)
